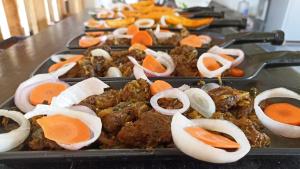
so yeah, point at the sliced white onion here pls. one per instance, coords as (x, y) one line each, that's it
(209, 86)
(162, 35)
(170, 93)
(113, 72)
(205, 39)
(163, 21)
(286, 130)
(140, 74)
(208, 73)
(184, 87)
(101, 53)
(201, 102)
(162, 57)
(17, 136)
(92, 121)
(233, 52)
(121, 33)
(60, 57)
(141, 23)
(78, 92)
(83, 109)
(201, 151)
(23, 91)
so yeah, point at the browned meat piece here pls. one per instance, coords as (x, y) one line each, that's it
(114, 118)
(172, 41)
(138, 90)
(7, 124)
(170, 103)
(227, 98)
(126, 69)
(107, 99)
(185, 59)
(184, 33)
(152, 129)
(36, 139)
(107, 141)
(101, 65)
(118, 41)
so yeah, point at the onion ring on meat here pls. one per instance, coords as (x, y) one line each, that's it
(162, 58)
(208, 73)
(170, 93)
(113, 72)
(209, 86)
(233, 52)
(17, 136)
(101, 53)
(144, 23)
(121, 33)
(201, 102)
(162, 35)
(92, 121)
(78, 92)
(286, 130)
(201, 151)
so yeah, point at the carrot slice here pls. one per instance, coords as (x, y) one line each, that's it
(142, 37)
(64, 129)
(58, 65)
(158, 86)
(137, 46)
(45, 92)
(236, 72)
(152, 64)
(211, 139)
(211, 64)
(98, 33)
(88, 42)
(192, 40)
(284, 113)
(230, 58)
(132, 29)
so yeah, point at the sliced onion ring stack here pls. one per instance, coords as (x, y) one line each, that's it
(170, 93)
(23, 91)
(144, 23)
(201, 151)
(286, 130)
(121, 33)
(92, 121)
(78, 92)
(233, 52)
(210, 74)
(17, 136)
(201, 102)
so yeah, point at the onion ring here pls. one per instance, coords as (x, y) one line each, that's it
(286, 130)
(17, 136)
(201, 102)
(82, 108)
(162, 35)
(209, 86)
(101, 53)
(92, 121)
(144, 23)
(233, 52)
(78, 92)
(201, 151)
(162, 58)
(170, 93)
(140, 74)
(113, 72)
(210, 74)
(121, 33)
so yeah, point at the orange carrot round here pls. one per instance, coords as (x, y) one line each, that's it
(142, 37)
(137, 46)
(211, 64)
(236, 72)
(192, 40)
(152, 64)
(58, 65)
(88, 42)
(230, 58)
(284, 113)
(158, 86)
(132, 29)
(211, 139)
(64, 129)
(45, 92)
(98, 33)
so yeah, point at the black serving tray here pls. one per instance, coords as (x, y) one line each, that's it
(217, 23)
(275, 38)
(279, 147)
(256, 59)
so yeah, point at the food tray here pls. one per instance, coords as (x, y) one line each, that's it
(255, 60)
(279, 147)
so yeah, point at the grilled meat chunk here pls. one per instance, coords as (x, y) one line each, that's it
(138, 90)
(150, 130)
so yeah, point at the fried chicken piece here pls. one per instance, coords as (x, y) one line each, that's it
(107, 99)
(138, 90)
(150, 130)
